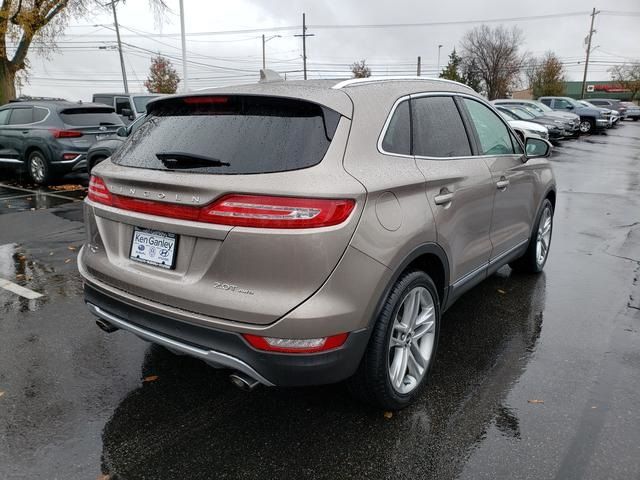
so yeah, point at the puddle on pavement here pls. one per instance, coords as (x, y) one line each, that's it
(25, 201)
(51, 274)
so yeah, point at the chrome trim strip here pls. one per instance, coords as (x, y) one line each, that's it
(360, 81)
(440, 94)
(10, 160)
(210, 356)
(74, 159)
(493, 261)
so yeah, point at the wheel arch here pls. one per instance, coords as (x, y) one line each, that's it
(428, 257)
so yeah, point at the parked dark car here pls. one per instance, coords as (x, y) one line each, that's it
(571, 120)
(48, 138)
(555, 127)
(611, 104)
(104, 148)
(591, 119)
(633, 111)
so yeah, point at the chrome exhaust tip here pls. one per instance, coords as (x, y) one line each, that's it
(105, 326)
(243, 382)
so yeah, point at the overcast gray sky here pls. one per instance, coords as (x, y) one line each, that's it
(80, 67)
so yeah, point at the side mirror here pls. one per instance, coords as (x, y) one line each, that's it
(122, 132)
(537, 148)
(569, 107)
(127, 112)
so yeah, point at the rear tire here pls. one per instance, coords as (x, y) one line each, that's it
(39, 168)
(402, 346)
(535, 257)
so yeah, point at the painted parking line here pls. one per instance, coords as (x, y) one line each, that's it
(36, 192)
(19, 290)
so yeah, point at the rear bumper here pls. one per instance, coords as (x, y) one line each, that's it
(224, 349)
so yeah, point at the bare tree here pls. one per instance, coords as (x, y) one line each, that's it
(496, 57)
(27, 23)
(360, 69)
(546, 75)
(627, 76)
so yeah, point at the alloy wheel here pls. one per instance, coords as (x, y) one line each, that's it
(585, 126)
(412, 340)
(543, 238)
(37, 168)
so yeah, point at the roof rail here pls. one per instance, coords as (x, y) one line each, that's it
(359, 81)
(27, 98)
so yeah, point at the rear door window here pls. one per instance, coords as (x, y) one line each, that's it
(234, 134)
(546, 101)
(90, 117)
(397, 138)
(438, 130)
(21, 116)
(4, 116)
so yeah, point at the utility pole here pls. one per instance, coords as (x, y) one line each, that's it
(185, 79)
(124, 71)
(419, 66)
(586, 63)
(438, 70)
(304, 43)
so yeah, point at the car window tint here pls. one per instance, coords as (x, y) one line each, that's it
(4, 116)
(39, 114)
(546, 101)
(89, 117)
(397, 139)
(121, 104)
(235, 134)
(21, 116)
(561, 103)
(492, 132)
(107, 100)
(438, 130)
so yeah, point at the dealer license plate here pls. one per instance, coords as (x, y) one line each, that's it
(154, 247)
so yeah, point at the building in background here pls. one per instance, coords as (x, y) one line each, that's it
(601, 89)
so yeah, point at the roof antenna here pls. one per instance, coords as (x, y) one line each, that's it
(267, 75)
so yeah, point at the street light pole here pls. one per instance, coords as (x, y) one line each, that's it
(264, 41)
(124, 71)
(438, 70)
(185, 79)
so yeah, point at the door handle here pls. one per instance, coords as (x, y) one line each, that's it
(502, 184)
(25, 131)
(444, 197)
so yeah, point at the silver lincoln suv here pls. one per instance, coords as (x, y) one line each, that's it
(310, 232)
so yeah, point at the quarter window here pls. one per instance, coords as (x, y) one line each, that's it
(438, 130)
(493, 134)
(21, 116)
(397, 138)
(39, 114)
(4, 116)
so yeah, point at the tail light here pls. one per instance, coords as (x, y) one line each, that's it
(296, 345)
(65, 133)
(205, 100)
(237, 210)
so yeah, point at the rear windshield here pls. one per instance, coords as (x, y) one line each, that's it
(90, 117)
(230, 135)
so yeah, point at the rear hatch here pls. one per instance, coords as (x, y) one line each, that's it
(89, 124)
(247, 197)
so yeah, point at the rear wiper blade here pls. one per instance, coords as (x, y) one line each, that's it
(177, 160)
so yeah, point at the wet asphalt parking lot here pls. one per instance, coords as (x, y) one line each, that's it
(537, 377)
